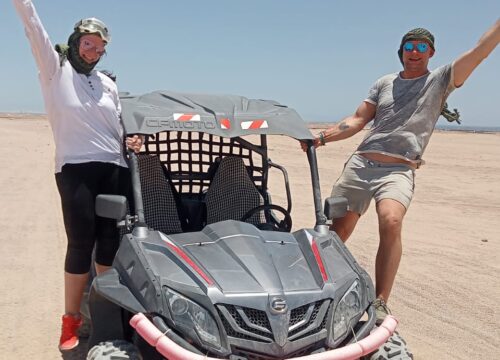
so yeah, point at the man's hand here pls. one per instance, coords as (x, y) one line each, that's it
(466, 63)
(135, 142)
(316, 143)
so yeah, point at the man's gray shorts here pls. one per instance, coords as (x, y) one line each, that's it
(364, 179)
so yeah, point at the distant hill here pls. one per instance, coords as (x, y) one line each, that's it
(319, 125)
(23, 116)
(463, 128)
(311, 125)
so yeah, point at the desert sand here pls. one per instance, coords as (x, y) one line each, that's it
(446, 294)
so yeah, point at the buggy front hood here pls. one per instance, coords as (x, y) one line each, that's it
(231, 261)
(239, 258)
(235, 271)
(233, 258)
(220, 115)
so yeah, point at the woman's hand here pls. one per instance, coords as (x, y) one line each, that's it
(135, 142)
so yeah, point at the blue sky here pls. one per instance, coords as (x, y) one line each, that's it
(317, 56)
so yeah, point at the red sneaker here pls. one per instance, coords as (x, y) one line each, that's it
(69, 332)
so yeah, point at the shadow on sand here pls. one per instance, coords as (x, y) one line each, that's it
(79, 353)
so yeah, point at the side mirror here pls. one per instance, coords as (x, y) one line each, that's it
(111, 206)
(335, 207)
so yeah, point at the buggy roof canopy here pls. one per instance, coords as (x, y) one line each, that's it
(221, 115)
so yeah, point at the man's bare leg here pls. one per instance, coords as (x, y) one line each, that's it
(345, 225)
(390, 218)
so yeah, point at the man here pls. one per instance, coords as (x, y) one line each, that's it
(404, 108)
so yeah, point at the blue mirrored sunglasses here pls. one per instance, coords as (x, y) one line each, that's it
(421, 46)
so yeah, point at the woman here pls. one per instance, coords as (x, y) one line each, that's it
(84, 113)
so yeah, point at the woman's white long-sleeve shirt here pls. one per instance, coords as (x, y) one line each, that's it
(83, 111)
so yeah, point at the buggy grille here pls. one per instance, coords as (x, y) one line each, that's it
(246, 323)
(253, 324)
(308, 320)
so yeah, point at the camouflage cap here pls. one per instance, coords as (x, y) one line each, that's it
(93, 26)
(416, 34)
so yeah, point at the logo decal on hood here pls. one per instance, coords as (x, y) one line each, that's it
(278, 305)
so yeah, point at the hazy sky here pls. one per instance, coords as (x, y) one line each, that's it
(319, 57)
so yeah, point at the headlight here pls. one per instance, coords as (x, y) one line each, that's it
(189, 315)
(348, 308)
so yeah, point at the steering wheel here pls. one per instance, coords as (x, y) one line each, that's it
(284, 225)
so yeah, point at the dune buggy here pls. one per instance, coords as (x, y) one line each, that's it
(210, 268)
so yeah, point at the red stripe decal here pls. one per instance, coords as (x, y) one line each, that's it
(317, 256)
(256, 124)
(191, 263)
(226, 123)
(185, 117)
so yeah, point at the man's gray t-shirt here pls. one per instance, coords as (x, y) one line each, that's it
(407, 111)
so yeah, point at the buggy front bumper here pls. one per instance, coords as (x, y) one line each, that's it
(149, 332)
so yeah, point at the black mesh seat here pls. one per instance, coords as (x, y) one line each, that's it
(158, 197)
(232, 193)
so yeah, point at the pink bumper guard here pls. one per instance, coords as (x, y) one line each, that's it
(172, 351)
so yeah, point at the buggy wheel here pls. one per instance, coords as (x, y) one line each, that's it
(85, 328)
(114, 350)
(395, 348)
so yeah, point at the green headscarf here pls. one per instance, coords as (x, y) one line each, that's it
(71, 53)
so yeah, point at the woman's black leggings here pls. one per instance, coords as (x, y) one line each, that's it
(78, 185)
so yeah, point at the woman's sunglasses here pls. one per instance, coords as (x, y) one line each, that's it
(421, 46)
(87, 44)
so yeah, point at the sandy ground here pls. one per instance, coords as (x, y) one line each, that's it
(446, 294)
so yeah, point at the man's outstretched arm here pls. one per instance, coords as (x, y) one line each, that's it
(466, 63)
(347, 127)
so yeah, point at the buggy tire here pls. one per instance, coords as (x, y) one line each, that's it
(85, 328)
(114, 350)
(394, 349)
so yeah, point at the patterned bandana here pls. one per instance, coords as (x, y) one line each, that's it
(416, 34)
(71, 52)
